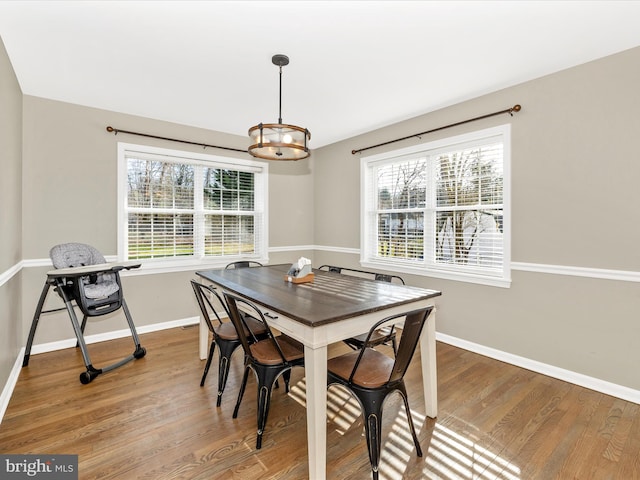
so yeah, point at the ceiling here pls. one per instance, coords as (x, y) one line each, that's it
(355, 65)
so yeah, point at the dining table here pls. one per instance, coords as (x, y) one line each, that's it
(326, 310)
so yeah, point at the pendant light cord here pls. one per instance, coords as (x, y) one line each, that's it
(280, 97)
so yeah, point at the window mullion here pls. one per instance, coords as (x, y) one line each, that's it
(198, 212)
(429, 230)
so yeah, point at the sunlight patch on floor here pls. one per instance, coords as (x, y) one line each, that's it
(448, 456)
(454, 456)
(298, 391)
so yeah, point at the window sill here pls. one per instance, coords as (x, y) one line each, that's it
(502, 282)
(157, 266)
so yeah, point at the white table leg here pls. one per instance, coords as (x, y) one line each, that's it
(428, 363)
(316, 384)
(203, 339)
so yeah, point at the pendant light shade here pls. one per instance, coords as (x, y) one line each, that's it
(278, 141)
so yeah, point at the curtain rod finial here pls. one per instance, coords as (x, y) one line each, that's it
(516, 108)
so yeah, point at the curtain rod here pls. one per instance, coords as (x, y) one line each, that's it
(116, 131)
(515, 108)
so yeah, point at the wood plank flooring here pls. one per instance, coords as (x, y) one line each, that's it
(151, 420)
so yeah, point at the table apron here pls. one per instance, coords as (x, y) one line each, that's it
(323, 335)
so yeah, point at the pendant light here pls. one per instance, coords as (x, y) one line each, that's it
(278, 141)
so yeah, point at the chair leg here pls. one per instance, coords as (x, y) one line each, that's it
(82, 327)
(372, 426)
(79, 336)
(403, 394)
(223, 373)
(394, 346)
(265, 383)
(34, 324)
(287, 378)
(241, 392)
(226, 350)
(212, 347)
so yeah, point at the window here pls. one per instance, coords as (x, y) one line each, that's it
(188, 207)
(440, 208)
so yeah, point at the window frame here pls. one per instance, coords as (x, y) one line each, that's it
(261, 194)
(427, 268)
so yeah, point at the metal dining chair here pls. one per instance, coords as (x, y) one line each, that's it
(268, 358)
(382, 336)
(371, 376)
(242, 264)
(224, 334)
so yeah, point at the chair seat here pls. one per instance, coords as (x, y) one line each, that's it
(101, 289)
(377, 337)
(374, 370)
(256, 326)
(226, 331)
(266, 353)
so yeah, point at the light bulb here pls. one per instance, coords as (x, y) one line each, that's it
(286, 138)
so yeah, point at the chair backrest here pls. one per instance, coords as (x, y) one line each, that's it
(383, 277)
(330, 268)
(68, 255)
(204, 295)
(97, 293)
(243, 264)
(411, 329)
(233, 303)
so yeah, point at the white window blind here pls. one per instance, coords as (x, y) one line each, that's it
(190, 206)
(439, 208)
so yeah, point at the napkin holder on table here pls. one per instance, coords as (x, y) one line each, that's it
(299, 275)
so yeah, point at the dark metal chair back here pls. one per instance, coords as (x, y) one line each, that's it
(383, 277)
(242, 264)
(203, 295)
(383, 336)
(269, 366)
(411, 331)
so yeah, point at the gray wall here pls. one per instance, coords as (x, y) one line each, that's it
(10, 215)
(575, 197)
(70, 162)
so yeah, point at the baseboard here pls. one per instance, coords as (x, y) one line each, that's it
(103, 337)
(608, 388)
(7, 391)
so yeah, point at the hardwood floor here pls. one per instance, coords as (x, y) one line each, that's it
(151, 420)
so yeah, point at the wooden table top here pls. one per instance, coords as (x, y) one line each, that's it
(329, 298)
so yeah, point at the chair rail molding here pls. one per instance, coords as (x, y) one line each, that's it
(10, 272)
(599, 273)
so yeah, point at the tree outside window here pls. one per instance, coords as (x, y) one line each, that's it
(191, 206)
(438, 208)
